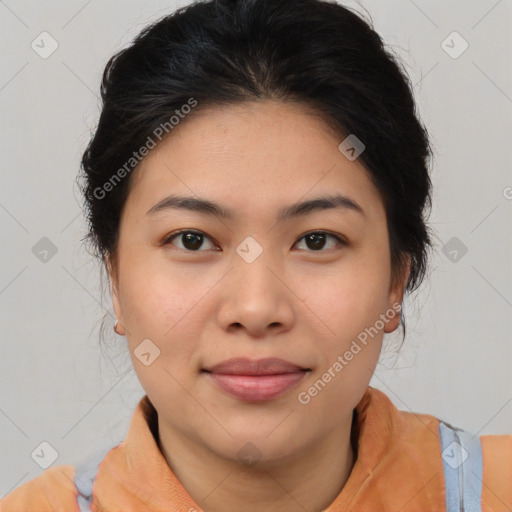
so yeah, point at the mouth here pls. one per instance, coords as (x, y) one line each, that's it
(255, 380)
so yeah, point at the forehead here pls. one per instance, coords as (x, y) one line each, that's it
(259, 154)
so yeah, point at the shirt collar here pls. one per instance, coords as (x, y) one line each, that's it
(394, 448)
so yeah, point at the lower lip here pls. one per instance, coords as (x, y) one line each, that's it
(254, 387)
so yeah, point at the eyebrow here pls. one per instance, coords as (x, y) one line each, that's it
(206, 207)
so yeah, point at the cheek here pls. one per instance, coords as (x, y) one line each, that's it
(155, 296)
(155, 311)
(344, 309)
(166, 308)
(346, 301)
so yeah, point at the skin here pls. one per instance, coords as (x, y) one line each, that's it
(203, 306)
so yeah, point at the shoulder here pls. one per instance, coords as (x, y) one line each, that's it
(52, 490)
(497, 450)
(60, 488)
(497, 471)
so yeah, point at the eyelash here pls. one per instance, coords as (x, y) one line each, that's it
(172, 236)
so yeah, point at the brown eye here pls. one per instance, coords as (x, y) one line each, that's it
(193, 241)
(190, 240)
(316, 240)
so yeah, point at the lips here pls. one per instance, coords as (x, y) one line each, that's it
(244, 366)
(255, 380)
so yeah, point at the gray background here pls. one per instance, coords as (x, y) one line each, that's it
(58, 386)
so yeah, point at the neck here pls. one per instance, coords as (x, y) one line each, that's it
(310, 480)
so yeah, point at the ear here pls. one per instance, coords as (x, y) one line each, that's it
(114, 291)
(396, 295)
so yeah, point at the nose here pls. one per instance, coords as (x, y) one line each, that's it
(257, 298)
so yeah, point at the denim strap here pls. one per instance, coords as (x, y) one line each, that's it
(461, 452)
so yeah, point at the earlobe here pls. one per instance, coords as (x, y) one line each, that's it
(118, 326)
(396, 299)
(392, 323)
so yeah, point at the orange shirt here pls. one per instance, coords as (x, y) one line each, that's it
(399, 467)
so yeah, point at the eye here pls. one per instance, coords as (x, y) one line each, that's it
(191, 240)
(315, 240)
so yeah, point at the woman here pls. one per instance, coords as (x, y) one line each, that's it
(256, 189)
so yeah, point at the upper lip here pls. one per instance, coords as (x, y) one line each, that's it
(245, 366)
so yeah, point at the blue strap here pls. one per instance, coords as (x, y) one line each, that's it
(461, 452)
(85, 474)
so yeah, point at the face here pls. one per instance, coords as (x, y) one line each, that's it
(311, 288)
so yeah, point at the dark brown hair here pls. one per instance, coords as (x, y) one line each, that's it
(313, 52)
